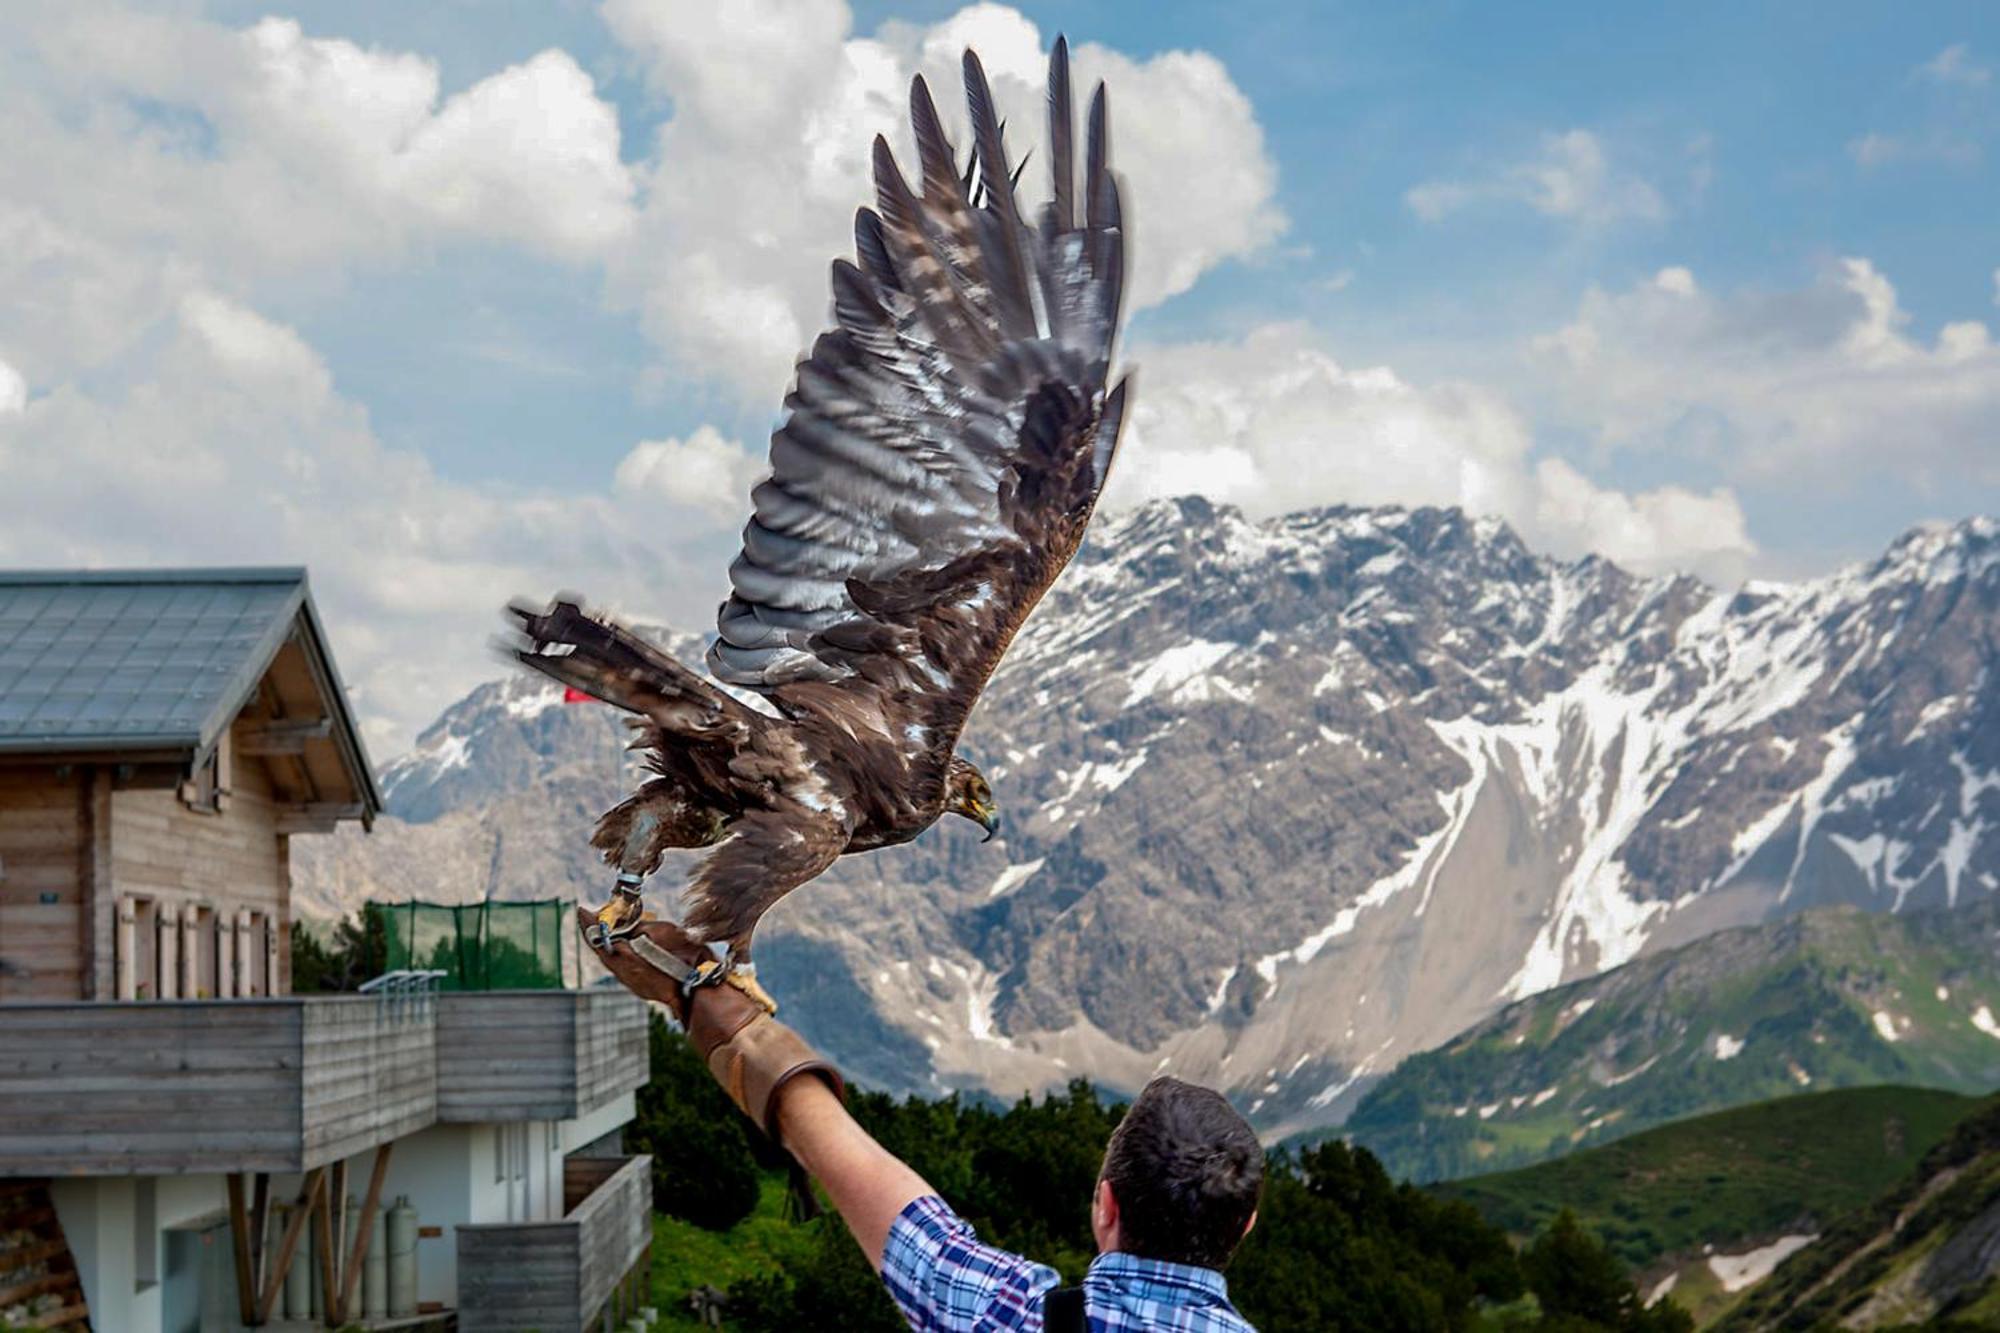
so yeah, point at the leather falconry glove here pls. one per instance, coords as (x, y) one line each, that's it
(752, 1055)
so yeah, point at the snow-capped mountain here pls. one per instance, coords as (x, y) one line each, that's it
(1286, 801)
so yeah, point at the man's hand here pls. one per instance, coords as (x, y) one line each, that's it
(750, 1053)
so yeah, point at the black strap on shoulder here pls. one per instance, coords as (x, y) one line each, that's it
(1062, 1311)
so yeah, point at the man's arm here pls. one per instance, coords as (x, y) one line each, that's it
(869, 1186)
(938, 1272)
(759, 1063)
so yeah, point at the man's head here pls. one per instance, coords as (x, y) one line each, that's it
(1180, 1179)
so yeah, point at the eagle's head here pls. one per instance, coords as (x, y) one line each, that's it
(966, 792)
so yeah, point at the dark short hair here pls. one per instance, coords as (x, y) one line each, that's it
(1186, 1170)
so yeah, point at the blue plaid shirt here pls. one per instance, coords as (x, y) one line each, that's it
(945, 1281)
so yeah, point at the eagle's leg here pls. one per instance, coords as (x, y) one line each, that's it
(638, 856)
(627, 908)
(740, 972)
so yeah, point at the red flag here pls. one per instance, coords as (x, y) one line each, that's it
(572, 695)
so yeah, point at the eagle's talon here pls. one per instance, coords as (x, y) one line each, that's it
(616, 919)
(745, 980)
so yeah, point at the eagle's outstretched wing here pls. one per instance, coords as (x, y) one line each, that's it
(946, 442)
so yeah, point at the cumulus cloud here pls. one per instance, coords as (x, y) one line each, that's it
(1666, 528)
(1764, 383)
(528, 154)
(231, 444)
(1272, 421)
(13, 391)
(268, 149)
(167, 168)
(753, 181)
(704, 471)
(175, 421)
(1572, 177)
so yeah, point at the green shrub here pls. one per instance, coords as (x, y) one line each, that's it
(704, 1169)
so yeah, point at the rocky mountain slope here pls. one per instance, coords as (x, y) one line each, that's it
(1288, 801)
(1832, 998)
(1925, 1253)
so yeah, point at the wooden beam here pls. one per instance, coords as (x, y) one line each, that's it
(274, 1281)
(239, 1241)
(260, 1228)
(317, 816)
(281, 735)
(329, 1241)
(364, 1228)
(336, 1197)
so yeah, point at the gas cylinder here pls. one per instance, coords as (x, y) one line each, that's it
(375, 1271)
(402, 1228)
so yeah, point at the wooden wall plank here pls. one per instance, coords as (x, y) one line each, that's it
(41, 868)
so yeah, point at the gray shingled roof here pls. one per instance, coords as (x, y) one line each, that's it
(147, 659)
(132, 659)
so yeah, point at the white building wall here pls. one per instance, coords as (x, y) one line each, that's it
(122, 1261)
(451, 1174)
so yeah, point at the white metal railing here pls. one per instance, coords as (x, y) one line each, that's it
(406, 992)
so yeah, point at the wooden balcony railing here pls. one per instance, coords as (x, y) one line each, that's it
(281, 1084)
(537, 1055)
(562, 1276)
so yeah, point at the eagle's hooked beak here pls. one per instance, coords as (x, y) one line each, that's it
(988, 817)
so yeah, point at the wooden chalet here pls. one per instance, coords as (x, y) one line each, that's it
(184, 1144)
(162, 737)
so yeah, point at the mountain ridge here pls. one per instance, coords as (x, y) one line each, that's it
(1289, 800)
(1832, 998)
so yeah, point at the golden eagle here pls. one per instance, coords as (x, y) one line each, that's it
(941, 453)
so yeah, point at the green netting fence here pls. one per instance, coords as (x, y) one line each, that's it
(478, 946)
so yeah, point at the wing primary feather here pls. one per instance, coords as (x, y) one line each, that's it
(1062, 166)
(1012, 304)
(854, 303)
(895, 206)
(1096, 169)
(937, 163)
(928, 279)
(871, 251)
(1107, 262)
(1104, 443)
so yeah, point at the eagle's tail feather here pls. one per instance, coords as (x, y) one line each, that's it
(609, 662)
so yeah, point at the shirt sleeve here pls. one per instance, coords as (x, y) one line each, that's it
(945, 1281)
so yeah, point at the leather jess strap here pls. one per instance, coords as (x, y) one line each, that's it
(660, 959)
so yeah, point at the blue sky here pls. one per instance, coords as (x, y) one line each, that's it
(1360, 104)
(1692, 285)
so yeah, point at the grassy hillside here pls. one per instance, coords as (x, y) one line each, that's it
(686, 1256)
(1926, 1250)
(1789, 1165)
(1728, 1184)
(1823, 1000)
